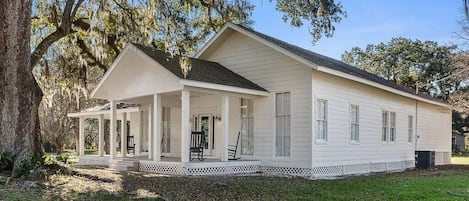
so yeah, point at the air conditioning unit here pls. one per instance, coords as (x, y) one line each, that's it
(424, 159)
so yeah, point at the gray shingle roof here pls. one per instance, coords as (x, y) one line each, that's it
(201, 70)
(334, 64)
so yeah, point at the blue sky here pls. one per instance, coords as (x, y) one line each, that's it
(369, 21)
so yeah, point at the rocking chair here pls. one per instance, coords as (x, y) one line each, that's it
(232, 149)
(197, 145)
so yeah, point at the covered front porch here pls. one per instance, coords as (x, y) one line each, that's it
(160, 126)
(169, 104)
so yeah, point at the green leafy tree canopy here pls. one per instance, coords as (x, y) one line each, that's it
(406, 62)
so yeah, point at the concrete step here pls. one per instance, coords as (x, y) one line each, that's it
(123, 165)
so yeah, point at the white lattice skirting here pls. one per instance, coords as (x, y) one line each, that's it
(209, 168)
(244, 167)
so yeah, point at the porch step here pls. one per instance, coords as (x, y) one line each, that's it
(123, 164)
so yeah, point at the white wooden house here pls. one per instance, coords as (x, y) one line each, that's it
(297, 112)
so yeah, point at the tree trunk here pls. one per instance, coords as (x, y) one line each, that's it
(20, 94)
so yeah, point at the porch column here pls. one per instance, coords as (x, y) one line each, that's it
(136, 120)
(225, 117)
(112, 130)
(157, 126)
(124, 134)
(81, 137)
(101, 135)
(150, 136)
(185, 126)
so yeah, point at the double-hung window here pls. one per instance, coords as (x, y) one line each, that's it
(388, 126)
(282, 124)
(410, 131)
(354, 123)
(385, 126)
(247, 127)
(321, 120)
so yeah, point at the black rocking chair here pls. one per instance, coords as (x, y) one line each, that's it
(130, 144)
(197, 145)
(232, 149)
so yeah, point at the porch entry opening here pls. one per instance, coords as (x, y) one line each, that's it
(204, 122)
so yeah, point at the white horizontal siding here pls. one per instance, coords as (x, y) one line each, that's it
(338, 150)
(277, 73)
(434, 131)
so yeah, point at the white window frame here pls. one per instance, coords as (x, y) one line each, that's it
(410, 128)
(247, 135)
(321, 120)
(286, 134)
(354, 125)
(392, 127)
(384, 126)
(388, 126)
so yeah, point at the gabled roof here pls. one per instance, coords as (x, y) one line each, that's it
(309, 57)
(201, 70)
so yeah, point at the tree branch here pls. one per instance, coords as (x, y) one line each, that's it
(62, 30)
(88, 53)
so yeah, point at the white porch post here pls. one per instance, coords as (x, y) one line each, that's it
(225, 117)
(185, 126)
(150, 136)
(124, 135)
(157, 126)
(101, 134)
(112, 130)
(81, 137)
(137, 121)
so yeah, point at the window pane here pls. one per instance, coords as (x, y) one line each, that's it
(286, 103)
(279, 126)
(278, 146)
(385, 119)
(393, 135)
(321, 130)
(287, 126)
(393, 119)
(286, 148)
(384, 135)
(250, 107)
(278, 104)
(321, 110)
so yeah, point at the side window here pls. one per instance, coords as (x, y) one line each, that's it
(321, 119)
(385, 126)
(354, 123)
(410, 132)
(247, 127)
(282, 124)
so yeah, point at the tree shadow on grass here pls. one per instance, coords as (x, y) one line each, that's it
(232, 187)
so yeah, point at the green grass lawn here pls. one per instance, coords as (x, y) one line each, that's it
(69, 183)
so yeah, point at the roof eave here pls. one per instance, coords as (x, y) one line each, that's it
(380, 86)
(221, 87)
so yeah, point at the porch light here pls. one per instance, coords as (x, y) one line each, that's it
(217, 117)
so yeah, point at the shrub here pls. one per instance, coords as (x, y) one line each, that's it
(27, 163)
(6, 161)
(63, 157)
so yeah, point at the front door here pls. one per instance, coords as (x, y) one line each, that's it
(204, 123)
